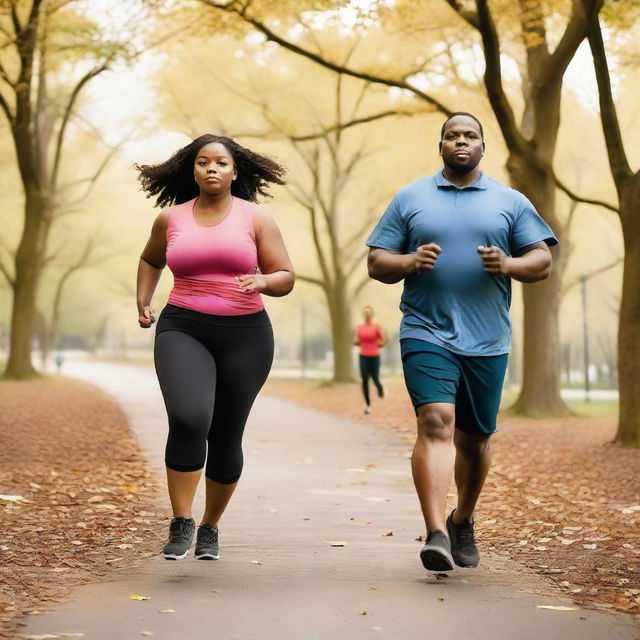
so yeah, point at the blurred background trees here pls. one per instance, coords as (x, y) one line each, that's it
(350, 96)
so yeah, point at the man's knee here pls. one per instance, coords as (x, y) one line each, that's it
(471, 444)
(436, 421)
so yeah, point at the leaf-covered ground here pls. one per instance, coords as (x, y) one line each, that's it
(78, 501)
(560, 498)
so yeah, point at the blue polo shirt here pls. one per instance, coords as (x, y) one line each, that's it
(457, 305)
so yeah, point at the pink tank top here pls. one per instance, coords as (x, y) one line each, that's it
(204, 260)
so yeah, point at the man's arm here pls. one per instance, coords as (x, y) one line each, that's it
(391, 266)
(532, 266)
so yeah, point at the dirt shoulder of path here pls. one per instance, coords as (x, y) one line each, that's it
(560, 498)
(78, 502)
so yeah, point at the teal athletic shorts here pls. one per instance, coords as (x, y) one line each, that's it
(473, 383)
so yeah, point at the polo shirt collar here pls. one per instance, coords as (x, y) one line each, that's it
(443, 183)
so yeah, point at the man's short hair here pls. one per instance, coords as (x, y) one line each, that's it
(461, 113)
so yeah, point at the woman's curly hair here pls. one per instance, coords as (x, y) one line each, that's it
(172, 181)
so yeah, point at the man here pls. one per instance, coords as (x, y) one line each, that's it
(456, 238)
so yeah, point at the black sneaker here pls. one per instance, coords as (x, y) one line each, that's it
(436, 553)
(463, 542)
(207, 543)
(180, 536)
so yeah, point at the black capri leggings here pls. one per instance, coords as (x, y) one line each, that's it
(210, 370)
(370, 368)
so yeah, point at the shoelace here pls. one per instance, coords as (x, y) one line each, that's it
(208, 535)
(179, 531)
(465, 533)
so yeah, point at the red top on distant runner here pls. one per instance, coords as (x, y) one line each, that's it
(369, 337)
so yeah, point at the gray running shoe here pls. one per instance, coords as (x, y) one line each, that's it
(207, 543)
(436, 553)
(463, 543)
(181, 532)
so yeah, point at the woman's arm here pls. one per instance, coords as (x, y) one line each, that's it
(277, 276)
(150, 266)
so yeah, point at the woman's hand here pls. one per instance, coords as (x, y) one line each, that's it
(252, 282)
(146, 317)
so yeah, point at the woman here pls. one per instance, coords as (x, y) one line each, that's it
(370, 337)
(214, 343)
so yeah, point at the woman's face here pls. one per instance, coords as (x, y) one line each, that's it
(367, 313)
(214, 169)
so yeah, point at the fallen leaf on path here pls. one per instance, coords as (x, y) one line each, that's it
(441, 598)
(137, 596)
(8, 498)
(335, 543)
(420, 539)
(363, 613)
(168, 611)
(146, 633)
(386, 534)
(256, 562)
(556, 608)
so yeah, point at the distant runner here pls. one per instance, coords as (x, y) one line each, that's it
(369, 337)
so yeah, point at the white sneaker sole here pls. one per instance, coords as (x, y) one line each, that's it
(207, 556)
(173, 556)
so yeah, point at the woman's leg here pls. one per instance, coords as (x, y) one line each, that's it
(375, 375)
(187, 375)
(243, 359)
(364, 374)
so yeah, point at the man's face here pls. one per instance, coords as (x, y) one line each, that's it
(461, 146)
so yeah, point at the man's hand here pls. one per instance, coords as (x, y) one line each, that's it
(495, 260)
(426, 255)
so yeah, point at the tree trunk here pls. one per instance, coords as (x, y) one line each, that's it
(628, 433)
(540, 391)
(29, 261)
(341, 333)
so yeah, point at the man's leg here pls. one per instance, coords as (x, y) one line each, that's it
(432, 461)
(473, 458)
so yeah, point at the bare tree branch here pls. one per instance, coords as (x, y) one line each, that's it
(92, 180)
(360, 286)
(590, 274)
(471, 17)
(620, 168)
(67, 115)
(312, 280)
(310, 55)
(573, 35)
(577, 198)
(356, 121)
(6, 273)
(357, 261)
(493, 78)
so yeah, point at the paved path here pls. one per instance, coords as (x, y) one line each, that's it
(306, 483)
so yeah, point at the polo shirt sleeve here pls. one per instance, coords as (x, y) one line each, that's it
(529, 228)
(391, 231)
